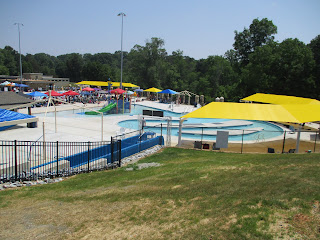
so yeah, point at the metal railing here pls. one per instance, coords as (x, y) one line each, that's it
(32, 160)
(254, 141)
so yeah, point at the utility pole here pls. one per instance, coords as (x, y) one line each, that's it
(122, 15)
(20, 52)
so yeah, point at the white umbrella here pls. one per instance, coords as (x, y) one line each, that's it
(5, 83)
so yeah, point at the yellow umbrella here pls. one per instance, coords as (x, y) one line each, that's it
(153, 89)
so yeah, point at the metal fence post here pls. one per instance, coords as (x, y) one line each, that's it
(111, 149)
(15, 161)
(315, 142)
(242, 141)
(89, 156)
(119, 153)
(57, 153)
(201, 136)
(284, 141)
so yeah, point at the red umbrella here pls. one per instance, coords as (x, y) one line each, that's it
(71, 93)
(117, 91)
(54, 94)
(88, 89)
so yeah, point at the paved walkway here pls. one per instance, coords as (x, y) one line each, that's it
(77, 129)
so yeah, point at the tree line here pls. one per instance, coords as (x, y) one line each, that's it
(257, 63)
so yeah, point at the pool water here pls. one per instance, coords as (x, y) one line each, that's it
(269, 130)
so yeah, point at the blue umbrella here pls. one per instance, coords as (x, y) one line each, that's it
(169, 91)
(138, 90)
(21, 85)
(37, 94)
(85, 93)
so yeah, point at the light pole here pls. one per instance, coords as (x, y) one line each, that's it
(122, 15)
(20, 52)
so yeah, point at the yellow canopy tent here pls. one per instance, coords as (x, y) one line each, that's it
(114, 84)
(279, 99)
(127, 85)
(153, 89)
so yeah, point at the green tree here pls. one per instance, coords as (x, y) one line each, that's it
(70, 66)
(147, 62)
(44, 64)
(315, 48)
(285, 68)
(182, 68)
(11, 60)
(259, 33)
(218, 73)
(3, 69)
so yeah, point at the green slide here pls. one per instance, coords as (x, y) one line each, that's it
(102, 110)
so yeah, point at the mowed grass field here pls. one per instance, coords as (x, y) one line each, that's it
(193, 195)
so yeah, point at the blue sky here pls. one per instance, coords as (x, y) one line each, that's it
(197, 27)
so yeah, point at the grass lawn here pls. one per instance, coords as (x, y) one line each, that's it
(192, 195)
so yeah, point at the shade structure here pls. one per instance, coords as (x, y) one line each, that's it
(101, 83)
(153, 89)
(279, 99)
(36, 94)
(128, 85)
(117, 91)
(97, 89)
(71, 93)
(93, 83)
(8, 118)
(130, 92)
(54, 94)
(296, 113)
(168, 91)
(88, 89)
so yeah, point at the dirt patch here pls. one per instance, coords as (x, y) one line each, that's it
(230, 220)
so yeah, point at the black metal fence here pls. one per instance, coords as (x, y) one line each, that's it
(32, 160)
(254, 141)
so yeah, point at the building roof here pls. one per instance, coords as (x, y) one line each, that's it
(11, 100)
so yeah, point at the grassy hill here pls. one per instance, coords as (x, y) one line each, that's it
(192, 195)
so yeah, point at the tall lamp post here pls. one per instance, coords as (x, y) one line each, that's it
(20, 51)
(122, 15)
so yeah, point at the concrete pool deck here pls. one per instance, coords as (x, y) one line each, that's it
(77, 129)
(89, 129)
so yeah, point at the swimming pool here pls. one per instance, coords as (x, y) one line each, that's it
(268, 130)
(253, 131)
